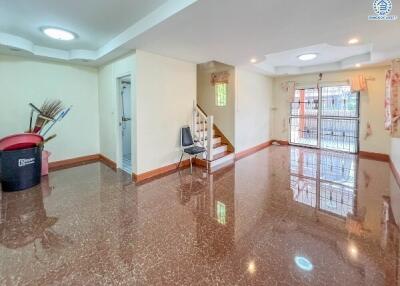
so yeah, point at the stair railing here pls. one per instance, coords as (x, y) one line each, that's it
(202, 127)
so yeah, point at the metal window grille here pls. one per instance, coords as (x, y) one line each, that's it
(326, 118)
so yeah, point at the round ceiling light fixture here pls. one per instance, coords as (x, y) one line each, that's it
(253, 60)
(58, 34)
(307, 57)
(358, 65)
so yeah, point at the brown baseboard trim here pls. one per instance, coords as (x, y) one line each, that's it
(108, 162)
(153, 174)
(281, 142)
(253, 150)
(200, 163)
(374, 156)
(74, 162)
(396, 173)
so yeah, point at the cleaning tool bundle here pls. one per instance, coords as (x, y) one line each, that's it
(46, 113)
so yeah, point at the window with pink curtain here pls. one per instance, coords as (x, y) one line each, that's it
(392, 99)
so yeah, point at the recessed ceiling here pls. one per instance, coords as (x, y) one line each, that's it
(95, 21)
(257, 28)
(326, 58)
(228, 31)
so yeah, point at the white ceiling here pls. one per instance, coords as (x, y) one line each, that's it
(95, 21)
(328, 58)
(228, 31)
(234, 31)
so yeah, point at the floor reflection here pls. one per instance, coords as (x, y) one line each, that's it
(324, 180)
(213, 210)
(282, 216)
(24, 220)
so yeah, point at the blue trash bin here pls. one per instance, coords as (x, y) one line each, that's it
(20, 169)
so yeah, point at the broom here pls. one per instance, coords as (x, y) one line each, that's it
(48, 111)
(41, 144)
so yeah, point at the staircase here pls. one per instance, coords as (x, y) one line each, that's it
(219, 153)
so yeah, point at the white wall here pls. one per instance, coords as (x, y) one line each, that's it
(253, 109)
(395, 153)
(371, 106)
(165, 89)
(224, 116)
(24, 80)
(110, 131)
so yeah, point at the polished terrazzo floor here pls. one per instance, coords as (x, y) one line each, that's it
(282, 216)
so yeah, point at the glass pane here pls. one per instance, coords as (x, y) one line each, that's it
(304, 131)
(339, 134)
(221, 91)
(339, 101)
(305, 102)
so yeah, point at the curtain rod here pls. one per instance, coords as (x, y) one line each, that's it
(326, 81)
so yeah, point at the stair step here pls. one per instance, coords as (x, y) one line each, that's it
(219, 148)
(215, 140)
(222, 160)
(221, 155)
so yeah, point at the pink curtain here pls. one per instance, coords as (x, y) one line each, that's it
(392, 99)
(219, 77)
(358, 83)
(290, 88)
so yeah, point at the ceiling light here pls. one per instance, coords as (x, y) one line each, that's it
(358, 65)
(253, 60)
(353, 41)
(307, 57)
(58, 34)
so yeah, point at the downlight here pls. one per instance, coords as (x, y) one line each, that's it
(58, 34)
(307, 57)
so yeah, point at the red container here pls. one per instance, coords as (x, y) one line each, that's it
(20, 141)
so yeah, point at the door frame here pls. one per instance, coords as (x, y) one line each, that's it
(319, 118)
(119, 147)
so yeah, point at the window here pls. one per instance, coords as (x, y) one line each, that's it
(221, 93)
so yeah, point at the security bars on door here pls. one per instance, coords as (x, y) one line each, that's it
(327, 118)
(304, 117)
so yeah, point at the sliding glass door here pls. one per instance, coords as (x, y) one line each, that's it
(326, 118)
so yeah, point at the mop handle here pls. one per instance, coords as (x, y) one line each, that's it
(59, 118)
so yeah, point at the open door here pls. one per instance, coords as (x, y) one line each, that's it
(126, 123)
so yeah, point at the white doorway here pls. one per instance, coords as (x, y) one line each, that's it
(125, 122)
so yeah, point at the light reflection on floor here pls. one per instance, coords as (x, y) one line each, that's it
(324, 180)
(282, 216)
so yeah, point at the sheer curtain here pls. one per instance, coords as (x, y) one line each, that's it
(392, 99)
